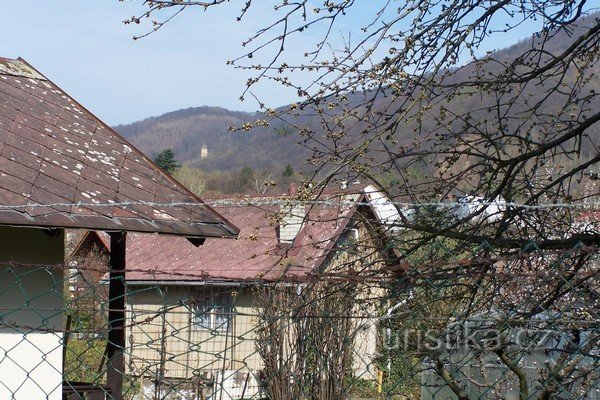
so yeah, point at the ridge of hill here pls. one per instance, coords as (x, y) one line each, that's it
(186, 131)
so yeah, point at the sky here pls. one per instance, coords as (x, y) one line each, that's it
(84, 47)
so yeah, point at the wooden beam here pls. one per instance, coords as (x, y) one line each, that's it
(116, 316)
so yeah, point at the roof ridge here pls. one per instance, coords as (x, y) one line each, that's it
(19, 68)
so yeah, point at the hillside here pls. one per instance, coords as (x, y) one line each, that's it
(186, 131)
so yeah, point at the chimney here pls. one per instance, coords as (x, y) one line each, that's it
(291, 217)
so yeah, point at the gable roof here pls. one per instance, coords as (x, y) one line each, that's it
(60, 166)
(257, 254)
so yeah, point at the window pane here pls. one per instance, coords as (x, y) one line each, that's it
(212, 308)
(201, 316)
(222, 317)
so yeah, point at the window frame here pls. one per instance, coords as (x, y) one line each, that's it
(213, 304)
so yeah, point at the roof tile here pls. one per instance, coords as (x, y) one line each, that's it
(256, 254)
(43, 130)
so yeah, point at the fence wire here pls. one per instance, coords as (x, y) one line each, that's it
(389, 313)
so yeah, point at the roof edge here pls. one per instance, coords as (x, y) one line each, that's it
(21, 67)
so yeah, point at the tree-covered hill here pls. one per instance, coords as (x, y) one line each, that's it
(186, 131)
(273, 147)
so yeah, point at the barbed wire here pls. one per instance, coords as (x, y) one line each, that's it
(375, 318)
(328, 202)
(336, 308)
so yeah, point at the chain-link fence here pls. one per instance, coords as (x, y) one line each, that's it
(383, 314)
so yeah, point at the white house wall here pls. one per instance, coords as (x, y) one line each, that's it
(31, 313)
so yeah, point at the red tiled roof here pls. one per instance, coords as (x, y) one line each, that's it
(591, 215)
(588, 221)
(256, 254)
(54, 153)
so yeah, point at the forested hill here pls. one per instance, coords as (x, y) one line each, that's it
(187, 130)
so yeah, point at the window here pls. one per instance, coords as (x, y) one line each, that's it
(348, 241)
(212, 308)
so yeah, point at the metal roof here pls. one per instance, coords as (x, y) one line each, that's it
(60, 166)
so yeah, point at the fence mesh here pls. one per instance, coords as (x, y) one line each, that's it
(389, 313)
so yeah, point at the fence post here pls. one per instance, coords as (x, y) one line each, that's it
(116, 315)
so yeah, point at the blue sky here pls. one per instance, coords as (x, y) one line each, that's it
(83, 46)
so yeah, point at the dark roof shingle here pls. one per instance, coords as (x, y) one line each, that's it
(60, 166)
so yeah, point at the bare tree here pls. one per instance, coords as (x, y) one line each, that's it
(412, 100)
(192, 178)
(304, 340)
(414, 91)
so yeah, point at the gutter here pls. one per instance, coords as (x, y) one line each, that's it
(203, 283)
(388, 331)
(187, 283)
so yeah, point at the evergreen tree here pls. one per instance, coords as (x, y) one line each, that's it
(166, 161)
(288, 171)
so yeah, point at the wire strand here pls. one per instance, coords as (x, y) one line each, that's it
(274, 202)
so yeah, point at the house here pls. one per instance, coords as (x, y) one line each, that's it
(537, 335)
(494, 355)
(195, 313)
(61, 167)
